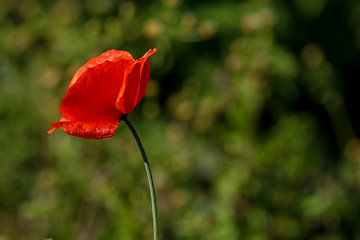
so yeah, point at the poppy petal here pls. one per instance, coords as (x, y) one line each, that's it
(111, 55)
(89, 130)
(95, 87)
(133, 89)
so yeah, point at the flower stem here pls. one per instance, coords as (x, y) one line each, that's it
(149, 176)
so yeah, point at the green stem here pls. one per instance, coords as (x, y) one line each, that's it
(149, 176)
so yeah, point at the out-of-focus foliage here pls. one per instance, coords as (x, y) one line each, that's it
(250, 121)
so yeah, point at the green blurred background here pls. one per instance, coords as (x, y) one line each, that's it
(250, 121)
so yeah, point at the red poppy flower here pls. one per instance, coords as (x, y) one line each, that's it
(102, 91)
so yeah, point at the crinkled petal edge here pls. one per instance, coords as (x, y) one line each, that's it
(89, 130)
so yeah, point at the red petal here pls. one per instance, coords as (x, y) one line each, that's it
(94, 89)
(54, 126)
(89, 130)
(136, 79)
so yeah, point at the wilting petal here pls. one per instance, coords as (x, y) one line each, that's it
(89, 130)
(94, 89)
(135, 82)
